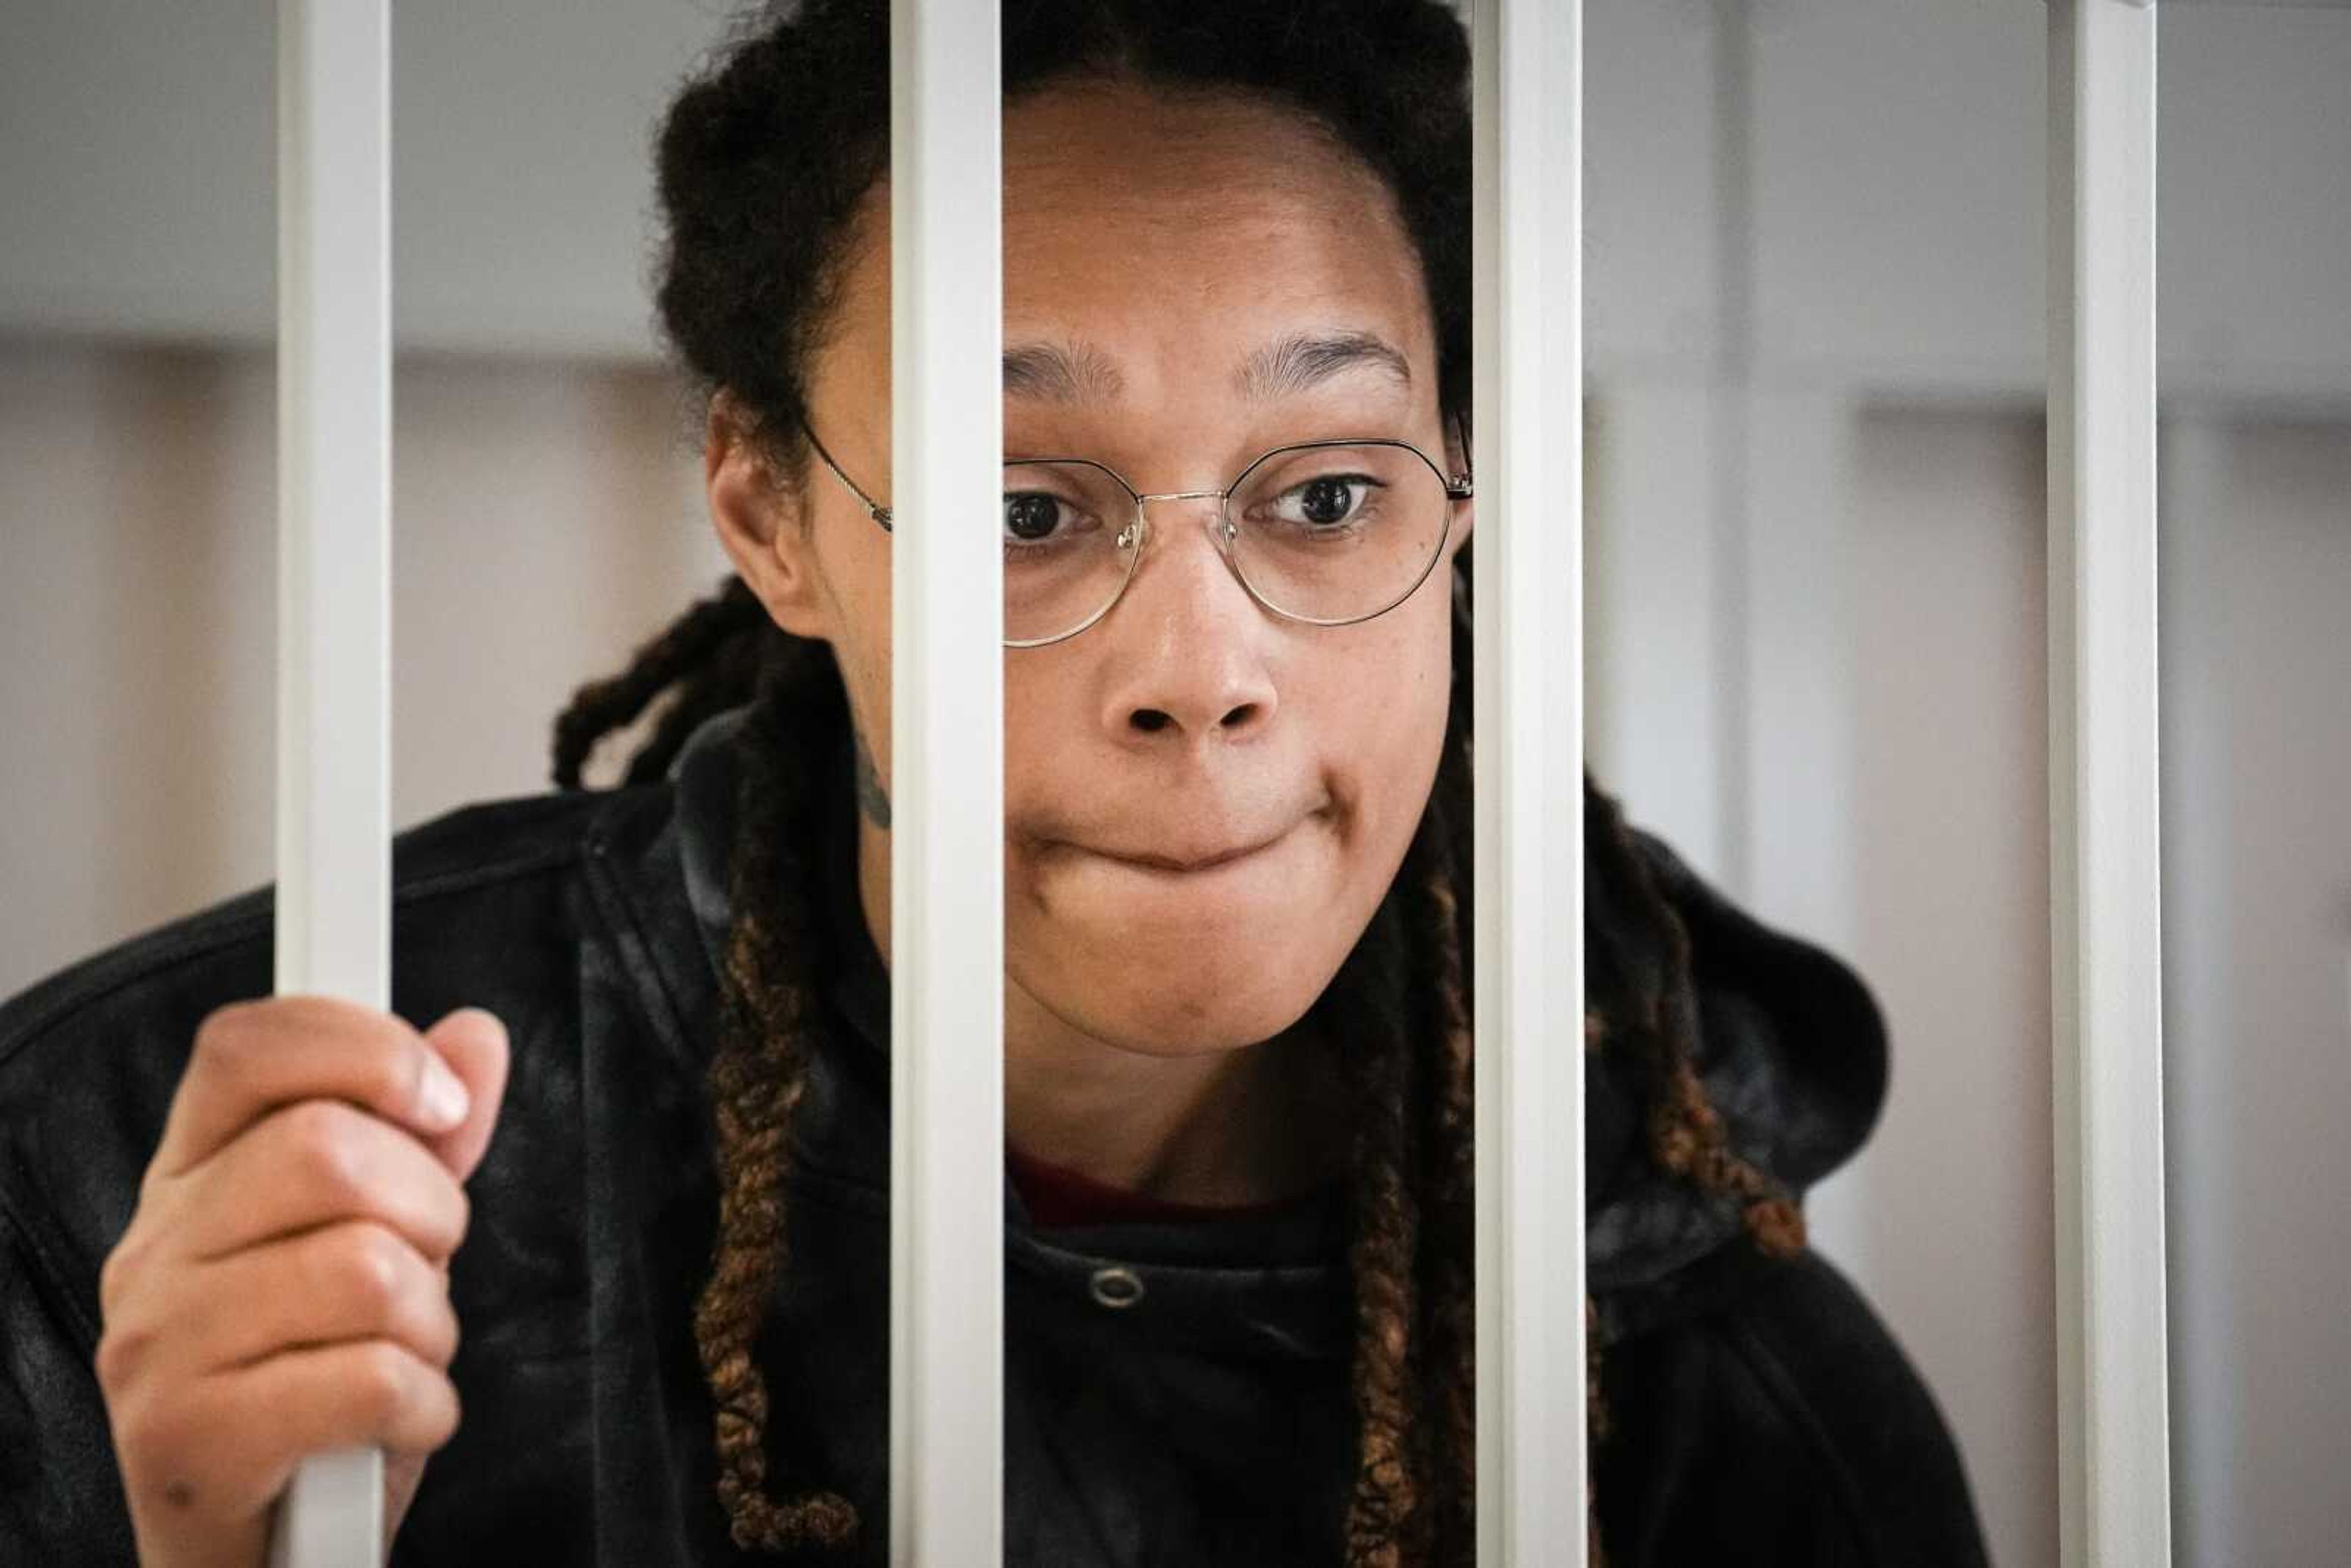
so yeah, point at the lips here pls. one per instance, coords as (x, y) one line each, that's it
(1186, 855)
(1214, 838)
(1201, 860)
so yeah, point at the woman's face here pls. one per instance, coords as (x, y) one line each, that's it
(1164, 248)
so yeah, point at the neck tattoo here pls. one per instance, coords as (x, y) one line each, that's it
(871, 798)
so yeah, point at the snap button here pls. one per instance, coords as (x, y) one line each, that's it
(1116, 1287)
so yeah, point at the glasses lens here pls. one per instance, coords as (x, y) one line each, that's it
(1069, 546)
(1334, 533)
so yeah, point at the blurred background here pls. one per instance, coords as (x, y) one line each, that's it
(1815, 296)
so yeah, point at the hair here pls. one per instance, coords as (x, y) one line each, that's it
(763, 160)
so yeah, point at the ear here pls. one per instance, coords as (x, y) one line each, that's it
(762, 522)
(1465, 513)
(1465, 517)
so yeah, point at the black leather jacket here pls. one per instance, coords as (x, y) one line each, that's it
(1760, 1413)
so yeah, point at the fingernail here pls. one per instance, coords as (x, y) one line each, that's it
(446, 1100)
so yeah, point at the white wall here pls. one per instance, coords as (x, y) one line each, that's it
(2257, 910)
(1897, 783)
(546, 519)
(138, 163)
(1817, 635)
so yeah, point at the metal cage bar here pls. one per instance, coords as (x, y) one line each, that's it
(946, 1146)
(334, 592)
(1528, 562)
(2114, 1485)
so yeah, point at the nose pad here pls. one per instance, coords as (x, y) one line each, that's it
(1213, 523)
(1138, 534)
(1221, 533)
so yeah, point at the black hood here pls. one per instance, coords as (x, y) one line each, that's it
(1790, 1045)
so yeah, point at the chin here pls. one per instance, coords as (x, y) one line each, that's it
(1172, 1002)
(1165, 1034)
(1181, 963)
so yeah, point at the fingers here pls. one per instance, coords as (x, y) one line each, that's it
(353, 1280)
(252, 1056)
(282, 1289)
(222, 1446)
(308, 1164)
(473, 1044)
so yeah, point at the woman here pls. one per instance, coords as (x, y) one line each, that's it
(1237, 1052)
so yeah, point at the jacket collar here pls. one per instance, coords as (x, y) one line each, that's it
(1791, 1047)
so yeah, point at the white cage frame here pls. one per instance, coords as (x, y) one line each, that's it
(333, 934)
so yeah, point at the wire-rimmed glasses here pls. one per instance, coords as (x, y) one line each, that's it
(1325, 532)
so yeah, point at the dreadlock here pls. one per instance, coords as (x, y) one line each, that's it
(762, 161)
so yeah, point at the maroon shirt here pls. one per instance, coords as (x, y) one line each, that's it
(1057, 1195)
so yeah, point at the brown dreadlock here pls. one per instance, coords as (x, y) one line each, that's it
(1401, 999)
(763, 160)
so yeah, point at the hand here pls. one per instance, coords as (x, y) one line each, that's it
(283, 1287)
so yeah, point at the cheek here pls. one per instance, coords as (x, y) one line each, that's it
(862, 597)
(1044, 713)
(1389, 750)
(865, 674)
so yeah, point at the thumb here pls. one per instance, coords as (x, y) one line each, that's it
(474, 1043)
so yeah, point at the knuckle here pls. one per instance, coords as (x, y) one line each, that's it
(438, 1211)
(123, 1276)
(221, 1028)
(121, 1349)
(449, 1412)
(145, 1429)
(324, 1136)
(392, 1071)
(380, 1380)
(115, 1274)
(224, 1048)
(368, 1259)
(133, 1429)
(431, 1420)
(461, 1220)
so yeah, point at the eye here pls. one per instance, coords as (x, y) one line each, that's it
(1031, 516)
(1040, 525)
(1329, 501)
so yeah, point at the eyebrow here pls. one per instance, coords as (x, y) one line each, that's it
(1080, 372)
(1059, 373)
(1306, 359)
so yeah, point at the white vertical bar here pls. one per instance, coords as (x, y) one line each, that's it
(334, 578)
(946, 1236)
(1528, 566)
(2114, 1483)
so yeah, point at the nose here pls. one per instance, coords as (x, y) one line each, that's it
(1186, 648)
